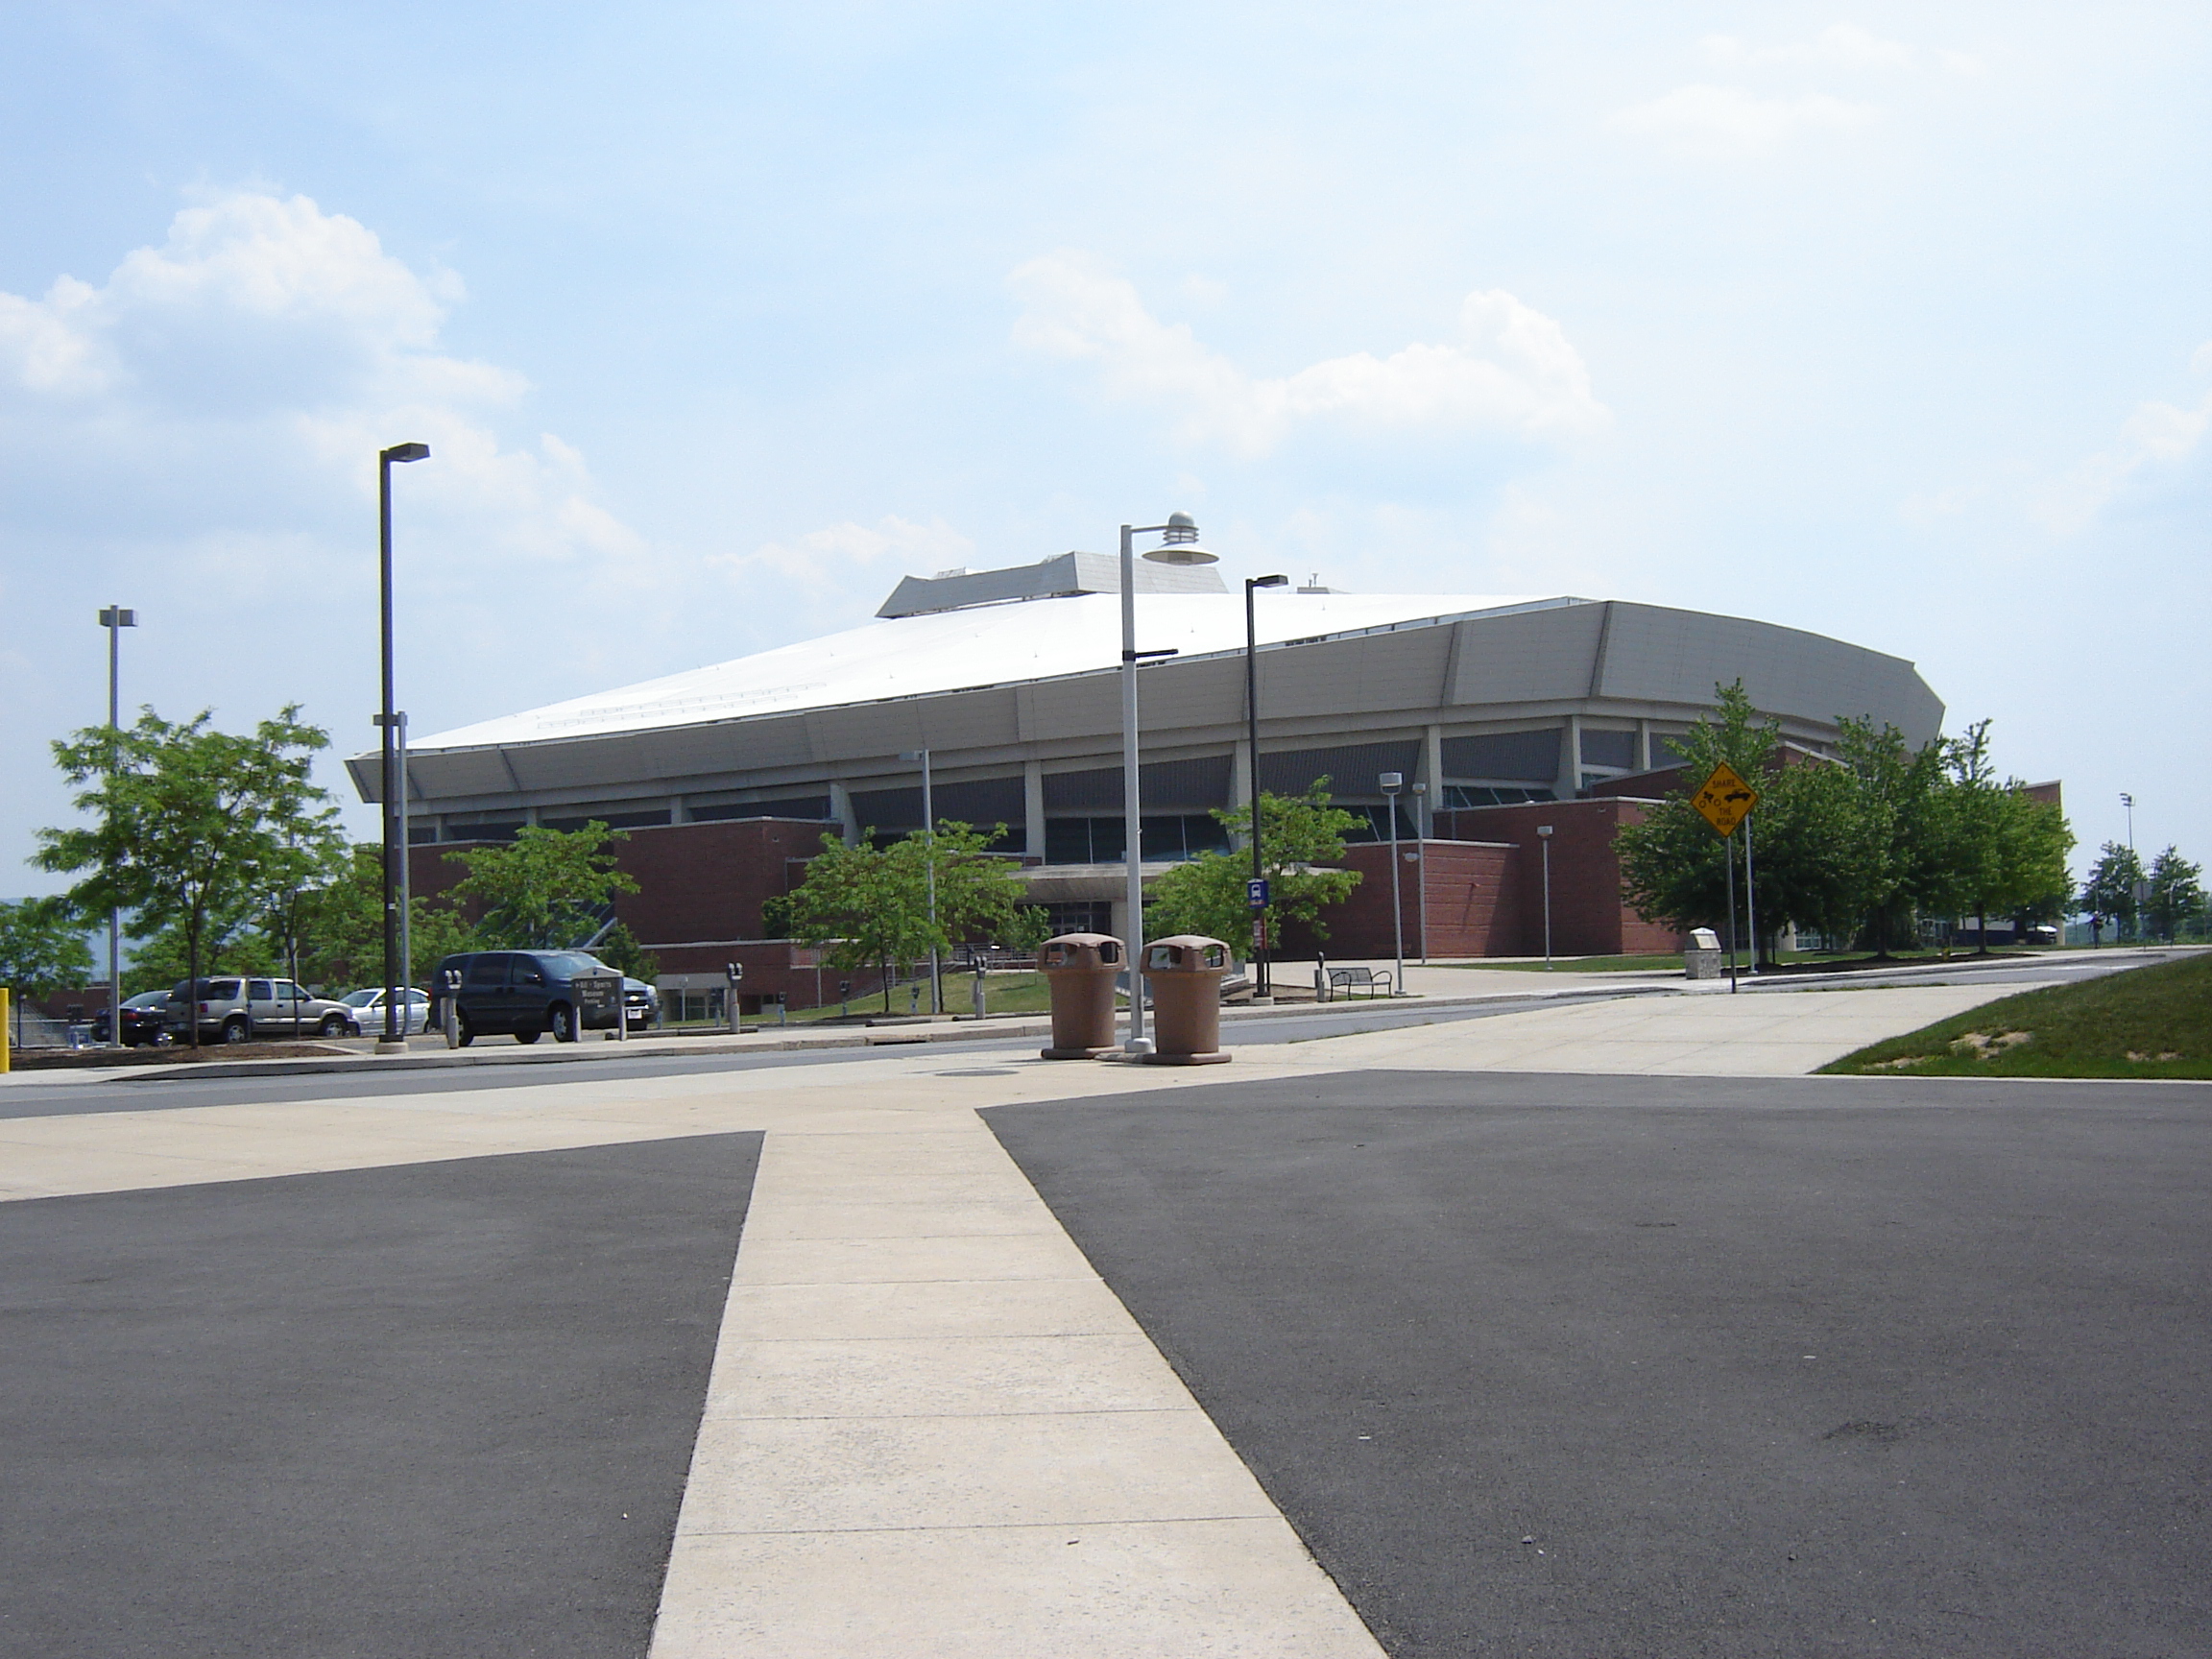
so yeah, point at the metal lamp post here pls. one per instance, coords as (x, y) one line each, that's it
(115, 619)
(395, 1039)
(1544, 840)
(1179, 545)
(1263, 982)
(929, 868)
(1392, 782)
(1421, 864)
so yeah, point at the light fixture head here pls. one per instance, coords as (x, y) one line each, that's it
(1544, 831)
(1179, 543)
(1266, 581)
(407, 452)
(114, 616)
(1392, 782)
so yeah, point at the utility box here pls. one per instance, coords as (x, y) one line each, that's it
(1079, 969)
(1185, 972)
(1702, 959)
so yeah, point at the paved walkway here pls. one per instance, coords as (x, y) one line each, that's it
(932, 1427)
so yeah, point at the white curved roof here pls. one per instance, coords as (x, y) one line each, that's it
(961, 650)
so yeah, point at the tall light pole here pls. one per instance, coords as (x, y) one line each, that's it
(929, 853)
(1263, 984)
(2126, 800)
(1420, 865)
(1544, 840)
(1392, 782)
(395, 1039)
(115, 619)
(407, 892)
(1179, 545)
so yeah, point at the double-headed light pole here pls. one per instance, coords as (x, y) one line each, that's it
(394, 1038)
(1178, 545)
(1262, 984)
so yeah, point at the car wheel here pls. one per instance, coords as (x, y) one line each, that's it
(234, 1032)
(564, 1020)
(530, 1036)
(333, 1026)
(464, 1032)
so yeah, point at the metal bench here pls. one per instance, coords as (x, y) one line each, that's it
(1359, 979)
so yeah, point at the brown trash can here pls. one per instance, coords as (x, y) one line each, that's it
(1185, 972)
(1080, 970)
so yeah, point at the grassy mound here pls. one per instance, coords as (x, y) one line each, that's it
(2146, 1022)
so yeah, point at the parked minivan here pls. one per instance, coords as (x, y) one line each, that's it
(523, 994)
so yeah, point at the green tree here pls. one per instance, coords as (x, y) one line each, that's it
(192, 826)
(2176, 896)
(619, 948)
(2108, 892)
(1997, 852)
(164, 959)
(545, 890)
(339, 925)
(1299, 837)
(1804, 864)
(41, 951)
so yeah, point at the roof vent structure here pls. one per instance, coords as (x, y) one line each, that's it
(1068, 574)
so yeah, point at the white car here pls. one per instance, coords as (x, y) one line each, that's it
(368, 1005)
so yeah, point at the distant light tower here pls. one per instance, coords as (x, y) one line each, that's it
(1392, 782)
(1263, 982)
(115, 619)
(929, 853)
(2129, 800)
(394, 1038)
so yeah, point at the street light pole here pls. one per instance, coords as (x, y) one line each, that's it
(929, 868)
(1263, 982)
(1392, 782)
(115, 619)
(1179, 545)
(1421, 864)
(1544, 840)
(407, 894)
(394, 1041)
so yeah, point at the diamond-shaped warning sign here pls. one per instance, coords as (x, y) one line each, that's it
(1725, 799)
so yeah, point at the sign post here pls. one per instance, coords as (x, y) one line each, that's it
(1724, 802)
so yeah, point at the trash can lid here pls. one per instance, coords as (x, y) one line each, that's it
(1187, 953)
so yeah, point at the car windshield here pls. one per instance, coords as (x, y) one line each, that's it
(360, 998)
(571, 963)
(148, 1000)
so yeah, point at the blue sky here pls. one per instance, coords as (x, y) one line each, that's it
(1888, 322)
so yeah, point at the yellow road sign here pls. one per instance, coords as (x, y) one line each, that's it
(1726, 800)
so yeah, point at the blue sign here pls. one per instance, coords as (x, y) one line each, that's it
(1256, 893)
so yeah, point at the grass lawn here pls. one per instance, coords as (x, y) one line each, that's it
(2143, 1022)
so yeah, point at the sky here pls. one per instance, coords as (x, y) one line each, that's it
(1888, 322)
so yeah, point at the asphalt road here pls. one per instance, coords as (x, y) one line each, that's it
(1681, 1366)
(441, 1409)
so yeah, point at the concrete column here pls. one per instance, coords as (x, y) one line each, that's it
(1243, 767)
(1643, 745)
(1569, 782)
(1430, 771)
(841, 809)
(1033, 808)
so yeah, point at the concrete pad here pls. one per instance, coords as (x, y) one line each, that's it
(936, 1376)
(990, 1258)
(1230, 1589)
(906, 1308)
(803, 1474)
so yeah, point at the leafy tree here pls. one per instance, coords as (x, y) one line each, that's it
(1025, 934)
(619, 948)
(41, 951)
(2176, 896)
(1672, 868)
(545, 890)
(1299, 836)
(2109, 891)
(775, 916)
(1897, 872)
(165, 959)
(339, 925)
(1998, 851)
(868, 905)
(193, 827)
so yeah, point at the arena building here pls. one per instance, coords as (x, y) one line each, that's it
(1507, 714)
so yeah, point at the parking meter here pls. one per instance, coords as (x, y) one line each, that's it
(732, 974)
(451, 981)
(979, 985)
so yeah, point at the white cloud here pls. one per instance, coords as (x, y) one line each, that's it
(2157, 437)
(1706, 119)
(819, 568)
(241, 375)
(1512, 369)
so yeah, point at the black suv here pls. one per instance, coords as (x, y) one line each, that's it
(522, 993)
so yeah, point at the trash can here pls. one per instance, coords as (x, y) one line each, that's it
(1185, 972)
(1080, 970)
(1701, 958)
